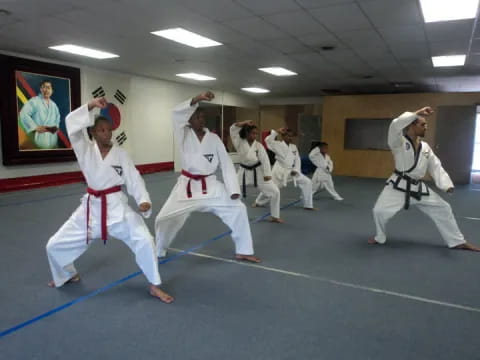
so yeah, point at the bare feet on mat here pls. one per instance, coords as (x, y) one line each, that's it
(74, 279)
(311, 209)
(466, 246)
(155, 291)
(249, 258)
(276, 220)
(372, 241)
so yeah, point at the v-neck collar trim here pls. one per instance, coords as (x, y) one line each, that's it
(416, 153)
(99, 153)
(207, 132)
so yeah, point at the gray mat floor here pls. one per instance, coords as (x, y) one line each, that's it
(320, 293)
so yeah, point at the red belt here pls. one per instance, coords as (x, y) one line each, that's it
(196, 178)
(102, 194)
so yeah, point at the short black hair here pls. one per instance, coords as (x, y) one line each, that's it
(318, 144)
(199, 110)
(246, 130)
(98, 119)
(44, 81)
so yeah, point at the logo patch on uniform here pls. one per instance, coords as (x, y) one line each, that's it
(209, 157)
(118, 169)
(407, 146)
(426, 154)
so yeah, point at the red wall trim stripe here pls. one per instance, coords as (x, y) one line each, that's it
(40, 181)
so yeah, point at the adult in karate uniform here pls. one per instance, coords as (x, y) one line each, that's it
(255, 166)
(413, 160)
(40, 118)
(322, 177)
(287, 167)
(104, 209)
(197, 188)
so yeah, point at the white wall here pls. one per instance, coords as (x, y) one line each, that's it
(145, 116)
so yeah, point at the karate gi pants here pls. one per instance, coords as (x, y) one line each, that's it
(175, 212)
(391, 201)
(70, 241)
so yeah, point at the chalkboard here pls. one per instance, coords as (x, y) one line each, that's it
(366, 134)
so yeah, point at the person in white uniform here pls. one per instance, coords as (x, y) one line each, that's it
(104, 209)
(413, 160)
(40, 118)
(322, 177)
(255, 169)
(197, 188)
(287, 167)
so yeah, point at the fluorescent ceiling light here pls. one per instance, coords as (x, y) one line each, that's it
(195, 76)
(278, 71)
(256, 90)
(447, 10)
(186, 37)
(80, 50)
(450, 60)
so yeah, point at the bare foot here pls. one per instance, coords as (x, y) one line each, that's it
(372, 241)
(276, 220)
(466, 246)
(160, 294)
(249, 258)
(254, 205)
(74, 279)
(311, 209)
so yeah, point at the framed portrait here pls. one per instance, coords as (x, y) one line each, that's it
(36, 98)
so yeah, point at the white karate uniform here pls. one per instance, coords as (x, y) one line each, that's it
(202, 158)
(322, 177)
(250, 155)
(414, 165)
(287, 159)
(70, 241)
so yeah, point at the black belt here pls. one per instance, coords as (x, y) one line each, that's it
(251, 167)
(408, 192)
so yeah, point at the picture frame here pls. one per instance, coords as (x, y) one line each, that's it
(37, 96)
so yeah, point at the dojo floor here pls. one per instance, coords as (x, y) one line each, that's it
(320, 293)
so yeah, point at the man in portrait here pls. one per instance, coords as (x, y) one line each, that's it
(40, 118)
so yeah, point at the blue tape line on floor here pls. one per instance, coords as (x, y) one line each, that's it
(124, 279)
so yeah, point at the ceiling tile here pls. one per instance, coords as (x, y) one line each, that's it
(296, 23)
(406, 33)
(385, 13)
(449, 30)
(224, 9)
(256, 28)
(286, 45)
(342, 17)
(439, 48)
(361, 38)
(311, 4)
(269, 7)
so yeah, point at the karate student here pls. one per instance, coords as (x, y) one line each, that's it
(287, 167)
(103, 210)
(413, 159)
(254, 165)
(322, 177)
(197, 188)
